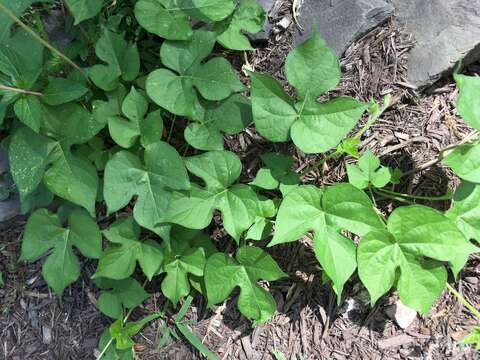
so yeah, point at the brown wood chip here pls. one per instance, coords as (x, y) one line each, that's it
(395, 341)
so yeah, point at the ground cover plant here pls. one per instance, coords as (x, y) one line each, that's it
(103, 178)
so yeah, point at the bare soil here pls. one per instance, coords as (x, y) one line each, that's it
(35, 324)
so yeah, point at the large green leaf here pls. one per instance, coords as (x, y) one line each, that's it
(123, 294)
(465, 161)
(60, 91)
(44, 232)
(125, 132)
(314, 127)
(237, 203)
(122, 61)
(169, 18)
(312, 67)
(69, 176)
(248, 17)
(413, 233)
(118, 261)
(223, 274)
(468, 105)
(465, 211)
(29, 110)
(126, 176)
(178, 92)
(230, 116)
(327, 212)
(84, 9)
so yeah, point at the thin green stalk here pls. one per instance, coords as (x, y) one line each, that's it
(387, 100)
(379, 214)
(37, 37)
(392, 197)
(320, 162)
(172, 125)
(418, 197)
(464, 301)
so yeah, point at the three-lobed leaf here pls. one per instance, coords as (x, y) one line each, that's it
(368, 171)
(44, 232)
(223, 274)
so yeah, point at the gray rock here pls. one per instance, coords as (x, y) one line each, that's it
(55, 27)
(262, 36)
(445, 31)
(341, 21)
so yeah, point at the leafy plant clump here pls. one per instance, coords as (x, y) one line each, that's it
(92, 129)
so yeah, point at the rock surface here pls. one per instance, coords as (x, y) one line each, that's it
(263, 35)
(402, 314)
(341, 21)
(446, 31)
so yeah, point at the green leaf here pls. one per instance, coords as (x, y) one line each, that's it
(414, 232)
(44, 232)
(122, 61)
(126, 176)
(465, 161)
(237, 203)
(262, 227)
(473, 337)
(111, 352)
(369, 171)
(223, 274)
(123, 333)
(468, 105)
(248, 17)
(29, 111)
(126, 132)
(60, 91)
(326, 212)
(84, 9)
(180, 260)
(196, 342)
(230, 116)
(312, 67)
(118, 261)
(169, 18)
(124, 294)
(465, 211)
(277, 174)
(314, 127)
(178, 93)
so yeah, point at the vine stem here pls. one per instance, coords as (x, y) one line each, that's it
(21, 91)
(418, 197)
(37, 37)
(464, 301)
(172, 125)
(468, 138)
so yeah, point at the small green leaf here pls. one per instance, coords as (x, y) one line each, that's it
(262, 227)
(111, 352)
(214, 80)
(135, 107)
(468, 105)
(123, 333)
(248, 17)
(122, 61)
(312, 67)
(237, 203)
(44, 232)
(84, 9)
(118, 261)
(368, 171)
(124, 294)
(126, 176)
(60, 91)
(180, 261)
(414, 232)
(473, 337)
(465, 161)
(29, 111)
(223, 274)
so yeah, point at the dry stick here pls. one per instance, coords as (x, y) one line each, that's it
(12, 16)
(470, 137)
(21, 91)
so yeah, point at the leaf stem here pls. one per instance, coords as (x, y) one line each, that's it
(418, 197)
(396, 198)
(464, 301)
(21, 91)
(170, 131)
(37, 37)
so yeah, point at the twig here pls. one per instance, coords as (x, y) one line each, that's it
(12, 16)
(21, 91)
